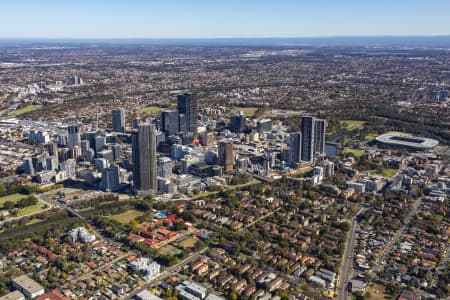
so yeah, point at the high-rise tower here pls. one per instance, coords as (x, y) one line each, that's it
(169, 122)
(118, 120)
(73, 135)
(225, 154)
(144, 159)
(307, 129)
(295, 148)
(320, 126)
(187, 105)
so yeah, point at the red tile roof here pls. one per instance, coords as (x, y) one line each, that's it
(53, 295)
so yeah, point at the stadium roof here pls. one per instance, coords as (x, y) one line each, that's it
(408, 141)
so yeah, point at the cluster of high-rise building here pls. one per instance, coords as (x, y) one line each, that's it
(171, 154)
(309, 142)
(182, 120)
(146, 167)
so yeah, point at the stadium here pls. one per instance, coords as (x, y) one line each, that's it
(404, 141)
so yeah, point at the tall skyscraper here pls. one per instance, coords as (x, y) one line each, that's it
(136, 122)
(118, 120)
(307, 129)
(187, 105)
(169, 122)
(181, 123)
(144, 159)
(116, 149)
(85, 147)
(74, 135)
(28, 167)
(238, 122)
(52, 148)
(320, 126)
(225, 155)
(295, 148)
(100, 143)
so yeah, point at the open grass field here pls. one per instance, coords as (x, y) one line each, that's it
(169, 250)
(352, 124)
(149, 110)
(34, 209)
(41, 205)
(26, 109)
(371, 136)
(386, 172)
(127, 216)
(13, 198)
(249, 111)
(188, 243)
(33, 221)
(304, 170)
(354, 152)
(124, 197)
(68, 192)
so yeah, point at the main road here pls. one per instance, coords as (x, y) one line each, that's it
(347, 266)
(167, 272)
(380, 261)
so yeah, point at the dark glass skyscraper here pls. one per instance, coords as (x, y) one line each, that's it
(52, 148)
(320, 126)
(118, 120)
(307, 129)
(238, 122)
(187, 105)
(169, 122)
(73, 135)
(144, 159)
(136, 122)
(295, 148)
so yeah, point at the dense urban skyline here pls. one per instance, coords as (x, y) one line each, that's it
(206, 19)
(225, 150)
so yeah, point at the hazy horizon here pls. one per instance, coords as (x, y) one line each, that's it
(442, 41)
(201, 19)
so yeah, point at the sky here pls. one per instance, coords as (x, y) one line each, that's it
(221, 18)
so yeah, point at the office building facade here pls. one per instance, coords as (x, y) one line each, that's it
(73, 135)
(238, 122)
(118, 120)
(110, 179)
(320, 126)
(164, 167)
(144, 159)
(187, 106)
(225, 156)
(295, 148)
(170, 122)
(307, 129)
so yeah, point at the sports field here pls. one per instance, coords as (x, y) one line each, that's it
(127, 216)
